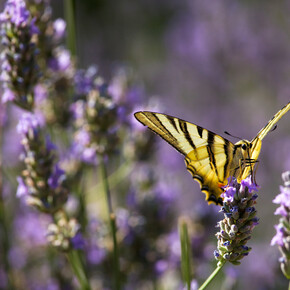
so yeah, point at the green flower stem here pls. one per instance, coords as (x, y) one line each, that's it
(185, 254)
(75, 260)
(116, 177)
(112, 219)
(289, 286)
(69, 7)
(4, 225)
(213, 274)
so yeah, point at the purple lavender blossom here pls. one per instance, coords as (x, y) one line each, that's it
(16, 12)
(95, 249)
(28, 122)
(40, 93)
(278, 239)
(18, 257)
(193, 286)
(42, 182)
(59, 26)
(161, 266)
(57, 177)
(8, 96)
(78, 109)
(78, 241)
(61, 61)
(229, 193)
(22, 189)
(237, 226)
(248, 182)
(20, 71)
(96, 254)
(282, 237)
(84, 80)
(30, 227)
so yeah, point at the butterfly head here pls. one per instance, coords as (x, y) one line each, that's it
(248, 152)
(244, 145)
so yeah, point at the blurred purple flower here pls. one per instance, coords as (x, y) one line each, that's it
(20, 70)
(16, 12)
(282, 237)
(96, 255)
(96, 252)
(57, 177)
(22, 189)
(284, 197)
(82, 137)
(18, 257)
(278, 238)
(30, 228)
(59, 26)
(173, 241)
(78, 109)
(89, 155)
(3, 279)
(161, 266)
(62, 60)
(193, 285)
(84, 80)
(78, 241)
(40, 93)
(8, 96)
(27, 122)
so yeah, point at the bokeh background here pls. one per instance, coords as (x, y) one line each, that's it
(224, 65)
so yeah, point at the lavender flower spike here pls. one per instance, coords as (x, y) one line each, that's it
(282, 237)
(42, 182)
(239, 220)
(20, 71)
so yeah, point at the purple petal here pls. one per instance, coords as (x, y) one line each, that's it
(22, 189)
(7, 96)
(28, 121)
(278, 238)
(56, 178)
(59, 26)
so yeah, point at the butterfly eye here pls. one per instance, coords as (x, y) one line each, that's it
(244, 146)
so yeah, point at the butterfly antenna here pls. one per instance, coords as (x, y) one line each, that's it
(226, 132)
(275, 127)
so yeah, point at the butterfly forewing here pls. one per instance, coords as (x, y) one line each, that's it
(207, 155)
(256, 143)
(263, 132)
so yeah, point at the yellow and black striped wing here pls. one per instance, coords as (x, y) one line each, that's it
(208, 156)
(256, 143)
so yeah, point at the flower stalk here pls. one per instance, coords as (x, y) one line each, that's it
(71, 31)
(185, 254)
(213, 275)
(75, 259)
(112, 221)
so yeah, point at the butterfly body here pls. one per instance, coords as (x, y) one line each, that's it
(209, 158)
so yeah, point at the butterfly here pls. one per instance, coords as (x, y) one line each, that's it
(210, 158)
